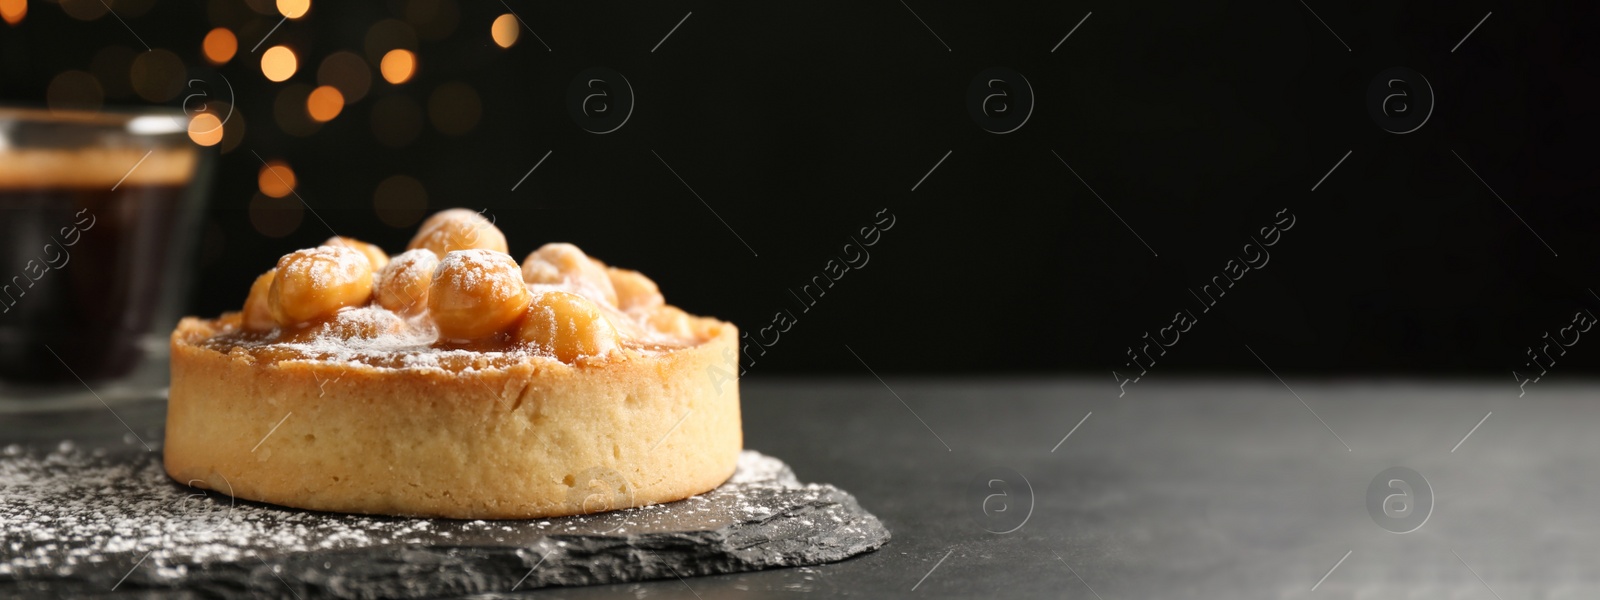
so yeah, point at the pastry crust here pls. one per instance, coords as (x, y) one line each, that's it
(520, 437)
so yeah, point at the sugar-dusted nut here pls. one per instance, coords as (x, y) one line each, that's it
(565, 263)
(349, 323)
(257, 313)
(373, 253)
(671, 320)
(316, 282)
(363, 322)
(475, 294)
(706, 328)
(567, 325)
(634, 290)
(458, 229)
(402, 285)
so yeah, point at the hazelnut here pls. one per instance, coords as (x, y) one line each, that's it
(316, 282)
(558, 263)
(671, 320)
(257, 313)
(402, 285)
(373, 253)
(349, 323)
(567, 325)
(363, 322)
(475, 294)
(634, 290)
(458, 229)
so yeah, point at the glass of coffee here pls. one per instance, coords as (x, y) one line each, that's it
(98, 219)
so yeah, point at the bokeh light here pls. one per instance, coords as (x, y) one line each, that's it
(505, 30)
(324, 103)
(400, 201)
(205, 129)
(275, 217)
(278, 63)
(233, 129)
(387, 35)
(275, 179)
(293, 9)
(13, 10)
(289, 110)
(220, 45)
(398, 66)
(348, 72)
(264, 7)
(433, 19)
(232, 14)
(157, 75)
(454, 108)
(74, 91)
(128, 9)
(111, 65)
(84, 10)
(396, 120)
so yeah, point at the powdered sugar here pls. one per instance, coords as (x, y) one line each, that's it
(325, 266)
(494, 272)
(394, 332)
(70, 509)
(403, 282)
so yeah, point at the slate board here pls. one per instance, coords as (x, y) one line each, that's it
(92, 523)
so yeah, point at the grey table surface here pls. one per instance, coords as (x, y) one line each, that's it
(1184, 488)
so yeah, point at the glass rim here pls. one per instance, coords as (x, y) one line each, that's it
(109, 116)
(158, 124)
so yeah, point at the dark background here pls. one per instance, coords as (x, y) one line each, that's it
(1195, 122)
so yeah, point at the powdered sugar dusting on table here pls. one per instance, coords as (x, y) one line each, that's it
(70, 509)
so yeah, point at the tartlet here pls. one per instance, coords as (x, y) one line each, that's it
(451, 381)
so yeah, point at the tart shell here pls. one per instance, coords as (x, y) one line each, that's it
(536, 438)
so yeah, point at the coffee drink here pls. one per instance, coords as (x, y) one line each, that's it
(88, 241)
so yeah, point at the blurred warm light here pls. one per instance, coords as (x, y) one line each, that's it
(233, 130)
(84, 10)
(158, 75)
(396, 120)
(128, 9)
(505, 30)
(432, 19)
(232, 14)
(454, 108)
(262, 7)
(293, 9)
(205, 129)
(220, 45)
(111, 66)
(398, 66)
(348, 72)
(289, 111)
(400, 201)
(13, 10)
(387, 35)
(324, 103)
(278, 63)
(74, 91)
(275, 179)
(275, 217)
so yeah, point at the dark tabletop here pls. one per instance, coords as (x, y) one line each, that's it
(1180, 489)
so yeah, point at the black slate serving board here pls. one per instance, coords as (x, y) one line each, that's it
(91, 523)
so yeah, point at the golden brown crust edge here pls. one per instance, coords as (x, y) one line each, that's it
(538, 439)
